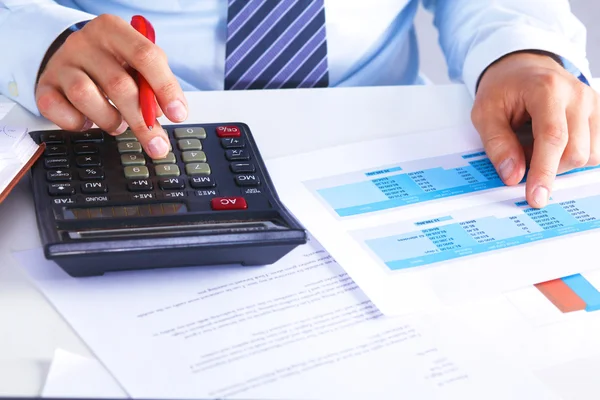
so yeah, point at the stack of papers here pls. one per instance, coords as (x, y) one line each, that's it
(423, 221)
(425, 289)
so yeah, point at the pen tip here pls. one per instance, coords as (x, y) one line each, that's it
(150, 127)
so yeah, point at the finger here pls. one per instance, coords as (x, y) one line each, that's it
(577, 151)
(159, 112)
(550, 132)
(149, 60)
(85, 96)
(122, 90)
(501, 145)
(53, 105)
(594, 120)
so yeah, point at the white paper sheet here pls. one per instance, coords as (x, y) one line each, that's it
(72, 375)
(422, 221)
(297, 329)
(5, 106)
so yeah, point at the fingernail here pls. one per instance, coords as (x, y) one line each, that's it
(506, 168)
(87, 125)
(158, 147)
(177, 110)
(122, 128)
(540, 196)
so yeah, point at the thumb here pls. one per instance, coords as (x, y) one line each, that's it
(502, 146)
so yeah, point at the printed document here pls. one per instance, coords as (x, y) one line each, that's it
(422, 221)
(300, 328)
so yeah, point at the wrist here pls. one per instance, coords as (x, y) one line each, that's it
(58, 42)
(533, 53)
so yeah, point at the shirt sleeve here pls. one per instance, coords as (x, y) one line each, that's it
(475, 34)
(28, 29)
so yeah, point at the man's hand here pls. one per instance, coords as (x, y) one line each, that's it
(565, 117)
(94, 66)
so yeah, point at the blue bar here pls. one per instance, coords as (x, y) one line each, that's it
(585, 290)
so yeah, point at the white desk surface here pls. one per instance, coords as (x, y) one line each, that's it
(284, 122)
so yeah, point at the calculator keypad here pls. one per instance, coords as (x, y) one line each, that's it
(209, 168)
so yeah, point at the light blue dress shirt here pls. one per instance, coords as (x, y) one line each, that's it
(369, 42)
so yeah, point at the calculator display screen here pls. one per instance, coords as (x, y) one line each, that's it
(142, 210)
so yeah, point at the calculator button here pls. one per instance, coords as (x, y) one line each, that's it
(93, 187)
(126, 136)
(56, 162)
(190, 133)
(189, 144)
(88, 161)
(85, 149)
(129, 147)
(228, 131)
(228, 203)
(169, 159)
(59, 175)
(202, 182)
(133, 159)
(89, 174)
(61, 189)
(56, 150)
(232, 143)
(167, 170)
(247, 180)
(140, 185)
(197, 169)
(237, 155)
(171, 183)
(53, 138)
(88, 137)
(140, 172)
(240, 167)
(193, 156)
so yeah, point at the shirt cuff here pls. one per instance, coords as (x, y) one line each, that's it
(518, 38)
(34, 29)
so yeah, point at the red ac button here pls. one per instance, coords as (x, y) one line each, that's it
(228, 203)
(228, 131)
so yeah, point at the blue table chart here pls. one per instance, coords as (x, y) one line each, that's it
(482, 233)
(410, 183)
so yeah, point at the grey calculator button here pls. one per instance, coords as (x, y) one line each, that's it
(126, 136)
(197, 169)
(190, 133)
(136, 172)
(193, 156)
(169, 159)
(167, 170)
(133, 159)
(129, 147)
(189, 144)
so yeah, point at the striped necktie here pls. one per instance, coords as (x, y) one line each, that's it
(274, 44)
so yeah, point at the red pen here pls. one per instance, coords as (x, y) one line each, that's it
(147, 99)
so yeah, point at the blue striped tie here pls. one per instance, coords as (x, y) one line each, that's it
(274, 44)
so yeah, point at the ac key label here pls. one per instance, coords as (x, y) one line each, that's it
(228, 203)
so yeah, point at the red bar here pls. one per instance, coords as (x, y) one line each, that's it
(561, 295)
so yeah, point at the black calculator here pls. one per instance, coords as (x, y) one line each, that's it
(103, 205)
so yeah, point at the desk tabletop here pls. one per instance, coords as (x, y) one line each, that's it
(284, 122)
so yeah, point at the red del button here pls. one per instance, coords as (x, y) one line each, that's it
(228, 131)
(228, 203)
